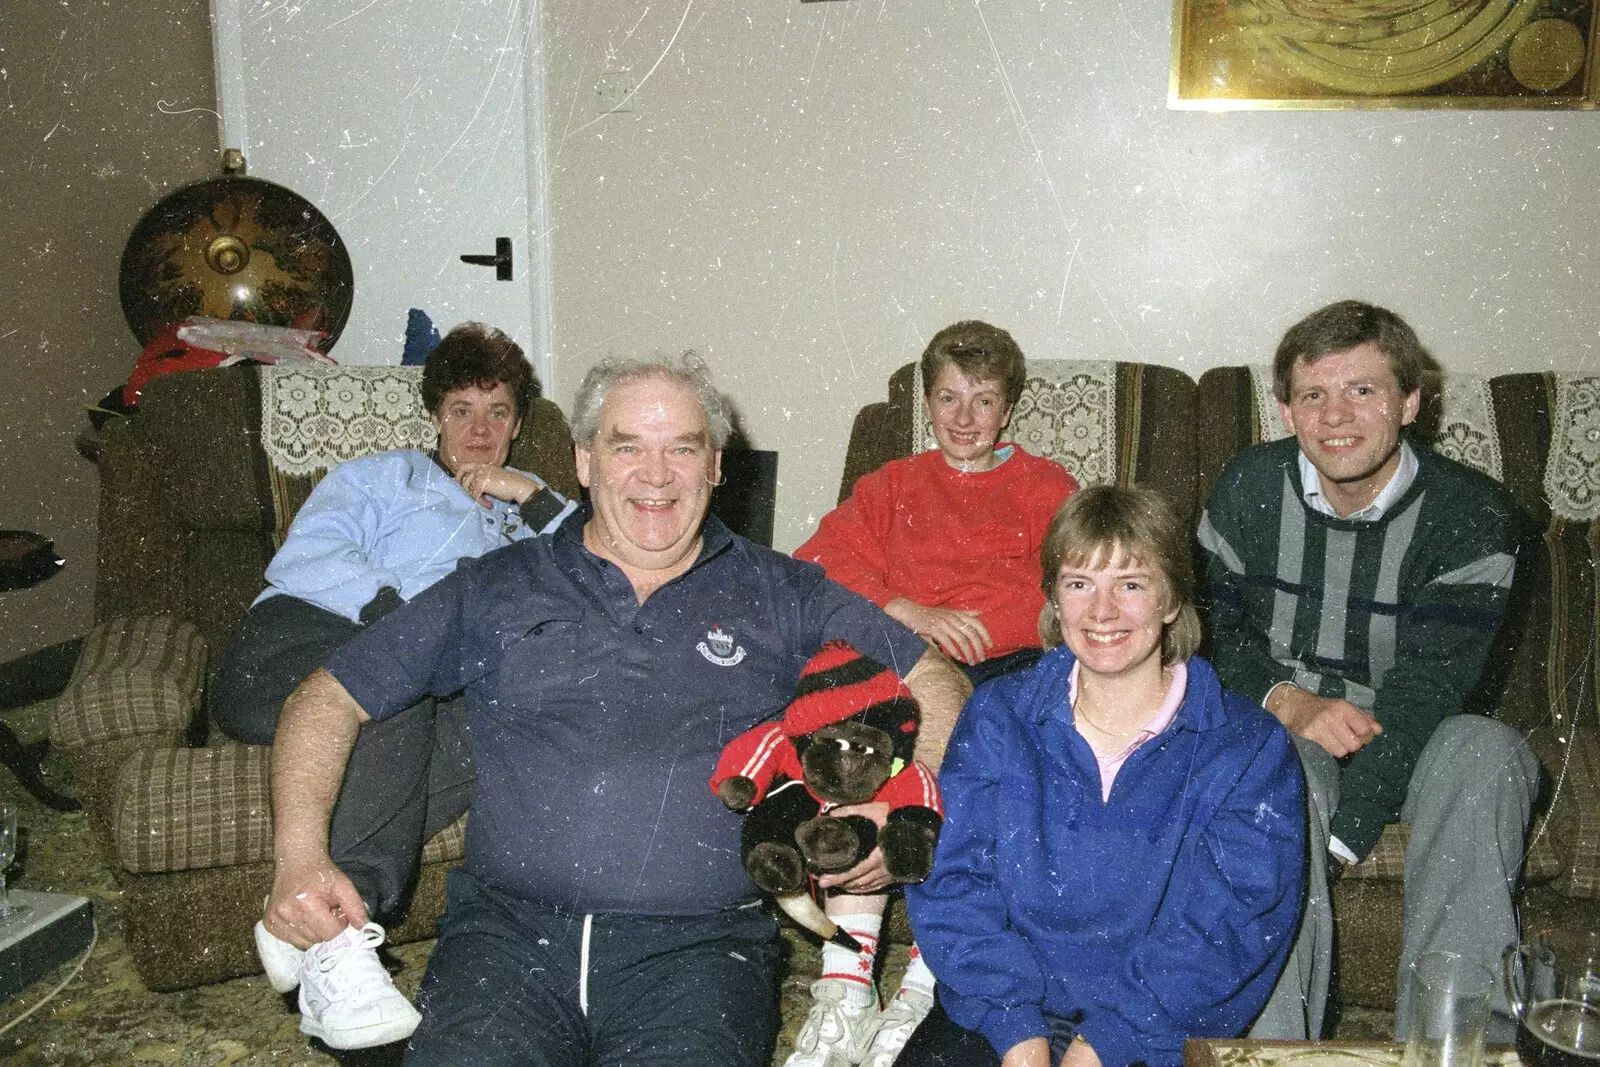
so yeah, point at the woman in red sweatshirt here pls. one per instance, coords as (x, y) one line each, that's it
(947, 541)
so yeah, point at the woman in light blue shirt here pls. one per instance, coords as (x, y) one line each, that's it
(374, 533)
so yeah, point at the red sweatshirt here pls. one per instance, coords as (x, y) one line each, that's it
(920, 529)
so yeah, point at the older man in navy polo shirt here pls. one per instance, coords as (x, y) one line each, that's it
(602, 915)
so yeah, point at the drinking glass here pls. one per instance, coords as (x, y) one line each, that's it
(8, 852)
(1449, 1011)
(1553, 985)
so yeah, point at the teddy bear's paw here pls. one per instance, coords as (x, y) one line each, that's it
(908, 850)
(737, 793)
(776, 868)
(831, 844)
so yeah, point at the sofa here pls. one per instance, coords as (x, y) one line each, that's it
(198, 490)
(1539, 434)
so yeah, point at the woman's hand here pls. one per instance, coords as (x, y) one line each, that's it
(483, 480)
(959, 634)
(1034, 1052)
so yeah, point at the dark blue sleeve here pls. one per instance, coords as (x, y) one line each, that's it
(829, 611)
(417, 650)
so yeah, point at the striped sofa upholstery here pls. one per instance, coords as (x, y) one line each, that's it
(191, 509)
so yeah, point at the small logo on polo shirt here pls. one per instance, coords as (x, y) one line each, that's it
(719, 648)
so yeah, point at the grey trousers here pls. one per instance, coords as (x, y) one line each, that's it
(409, 776)
(1299, 1002)
(1469, 804)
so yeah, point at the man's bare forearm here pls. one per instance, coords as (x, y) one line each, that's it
(941, 689)
(316, 732)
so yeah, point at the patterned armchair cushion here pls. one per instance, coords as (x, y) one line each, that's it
(134, 675)
(1567, 407)
(184, 809)
(1387, 860)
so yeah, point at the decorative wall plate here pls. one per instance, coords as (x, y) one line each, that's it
(236, 248)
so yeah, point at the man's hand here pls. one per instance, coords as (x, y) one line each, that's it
(483, 480)
(958, 634)
(1337, 725)
(871, 875)
(1034, 1052)
(312, 901)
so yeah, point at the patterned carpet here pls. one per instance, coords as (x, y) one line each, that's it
(105, 1015)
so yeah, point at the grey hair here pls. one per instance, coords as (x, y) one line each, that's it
(687, 370)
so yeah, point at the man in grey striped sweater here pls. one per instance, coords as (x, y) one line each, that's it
(1357, 581)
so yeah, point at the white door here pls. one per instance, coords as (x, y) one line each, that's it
(411, 124)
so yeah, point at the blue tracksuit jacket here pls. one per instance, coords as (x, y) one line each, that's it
(1166, 913)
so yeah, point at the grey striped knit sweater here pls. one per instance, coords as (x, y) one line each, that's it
(1395, 615)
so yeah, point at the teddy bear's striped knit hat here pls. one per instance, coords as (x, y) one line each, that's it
(839, 683)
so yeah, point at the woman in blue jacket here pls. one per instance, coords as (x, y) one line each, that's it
(1124, 847)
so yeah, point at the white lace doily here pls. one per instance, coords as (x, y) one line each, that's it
(1068, 413)
(1269, 427)
(1467, 430)
(314, 418)
(1572, 472)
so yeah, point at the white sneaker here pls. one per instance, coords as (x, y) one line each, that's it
(836, 1032)
(279, 959)
(895, 1025)
(346, 997)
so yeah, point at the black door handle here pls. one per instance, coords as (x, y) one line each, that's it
(500, 261)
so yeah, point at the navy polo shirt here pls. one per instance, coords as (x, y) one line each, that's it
(596, 721)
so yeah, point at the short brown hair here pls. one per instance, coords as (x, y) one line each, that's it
(1346, 325)
(979, 351)
(475, 355)
(1098, 522)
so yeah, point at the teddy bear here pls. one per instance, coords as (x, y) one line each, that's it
(846, 738)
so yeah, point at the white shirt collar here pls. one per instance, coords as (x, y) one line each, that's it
(1404, 475)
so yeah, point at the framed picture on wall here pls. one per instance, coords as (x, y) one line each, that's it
(1334, 54)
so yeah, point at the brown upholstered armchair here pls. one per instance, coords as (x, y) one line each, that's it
(197, 492)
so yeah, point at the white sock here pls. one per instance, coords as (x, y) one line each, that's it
(918, 978)
(854, 969)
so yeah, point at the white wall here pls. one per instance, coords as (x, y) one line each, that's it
(805, 192)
